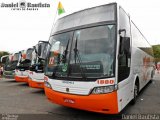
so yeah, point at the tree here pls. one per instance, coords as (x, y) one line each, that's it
(156, 51)
(2, 53)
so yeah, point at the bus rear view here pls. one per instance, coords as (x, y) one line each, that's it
(89, 63)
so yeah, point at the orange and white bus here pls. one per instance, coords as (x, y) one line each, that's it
(36, 74)
(98, 61)
(24, 62)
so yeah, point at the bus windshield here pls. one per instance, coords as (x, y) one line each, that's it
(40, 59)
(87, 52)
(14, 61)
(25, 59)
(29, 54)
(34, 58)
(11, 62)
(44, 47)
(16, 57)
(39, 56)
(58, 48)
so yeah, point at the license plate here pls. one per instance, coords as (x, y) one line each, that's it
(40, 85)
(66, 100)
(21, 78)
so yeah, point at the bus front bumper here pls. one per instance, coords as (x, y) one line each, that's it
(101, 103)
(9, 74)
(35, 84)
(21, 79)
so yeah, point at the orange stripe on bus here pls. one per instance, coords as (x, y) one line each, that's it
(102, 103)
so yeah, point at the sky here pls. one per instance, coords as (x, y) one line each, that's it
(20, 30)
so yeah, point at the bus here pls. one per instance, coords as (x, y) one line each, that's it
(36, 73)
(4, 59)
(3, 62)
(22, 68)
(98, 60)
(10, 65)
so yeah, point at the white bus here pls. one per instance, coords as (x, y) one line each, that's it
(4, 61)
(10, 63)
(98, 61)
(36, 74)
(24, 62)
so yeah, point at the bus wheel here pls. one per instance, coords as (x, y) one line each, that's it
(136, 91)
(151, 81)
(152, 75)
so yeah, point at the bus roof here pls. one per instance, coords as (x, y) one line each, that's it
(92, 15)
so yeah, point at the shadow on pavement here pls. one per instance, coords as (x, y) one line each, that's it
(76, 114)
(9, 80)
(85, 115)
(22, 84)
(38, 91)
(129, 106)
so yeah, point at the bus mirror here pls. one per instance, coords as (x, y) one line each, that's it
(122, 30)
(34, 47)
(39, 50)
(3, 60)
(122, 41)
(121, 49)
(124, 45)
(127, 44)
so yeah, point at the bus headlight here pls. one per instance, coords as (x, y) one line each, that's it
(47, 84)
(104, 89)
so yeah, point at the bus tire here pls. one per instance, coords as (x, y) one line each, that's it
(151, 81)
(136, 91)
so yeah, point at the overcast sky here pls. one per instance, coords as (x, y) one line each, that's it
(23, 29)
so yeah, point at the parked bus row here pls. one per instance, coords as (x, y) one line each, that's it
(95, 60)
(27, 65)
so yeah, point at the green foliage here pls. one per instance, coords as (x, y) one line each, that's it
(156, 50)
(2, 53)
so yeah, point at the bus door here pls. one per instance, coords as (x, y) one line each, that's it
(124, 58)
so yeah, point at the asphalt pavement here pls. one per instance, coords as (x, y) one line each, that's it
(20, 102)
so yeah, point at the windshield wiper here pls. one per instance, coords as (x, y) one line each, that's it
(64, 56)
(77, 55)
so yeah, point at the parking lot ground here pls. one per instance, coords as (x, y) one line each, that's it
(25, 103)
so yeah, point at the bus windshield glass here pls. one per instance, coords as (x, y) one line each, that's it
(29, 54)
(25, 59)
(85, 17)
(34, 58)
(16, 57)
(44, 48)
(59, 50)
(85, 52)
